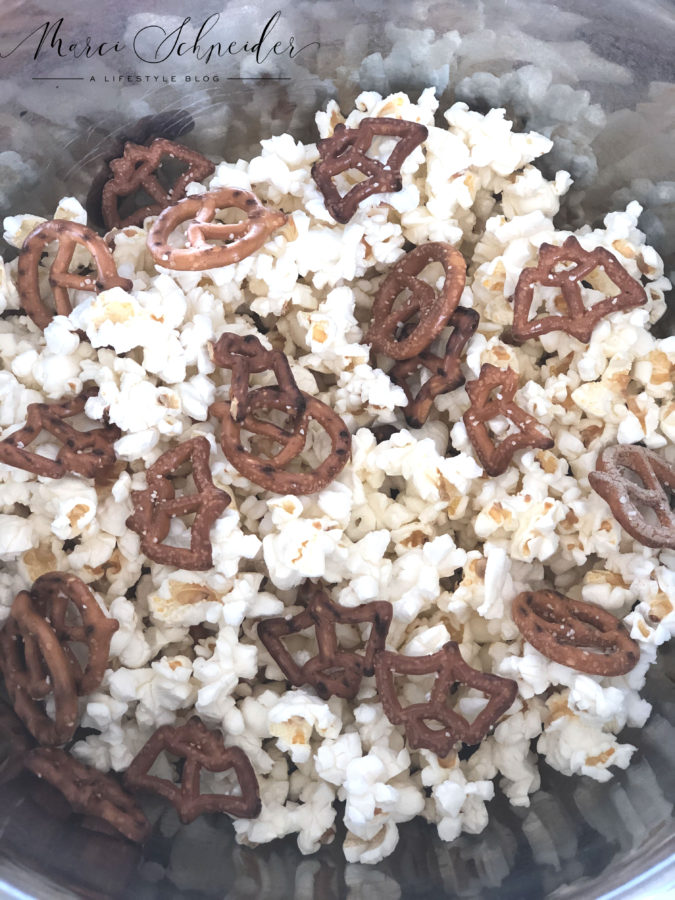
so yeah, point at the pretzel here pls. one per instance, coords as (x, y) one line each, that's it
(495, 458)
(347, 149)
(244, 355)
(136, 171)
(332, 672)
(69, 236)
(241, 238)
(433, 308)
(155, 506)
(14, 744)
(579, 321)
(450, 670)
(87, 453)
(627, 499)
(35, 666)
(200, 749)
(575, 634)
(446, 374)
(89, 792)
(53, 594)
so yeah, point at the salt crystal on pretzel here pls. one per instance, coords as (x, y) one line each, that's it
(69, 236)
(577, 634)
(241, 239)
(199, 749)
(347, 149)
(136, 171)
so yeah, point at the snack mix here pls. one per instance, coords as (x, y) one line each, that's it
(337, 474)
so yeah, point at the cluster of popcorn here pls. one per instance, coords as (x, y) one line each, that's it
(412, 518)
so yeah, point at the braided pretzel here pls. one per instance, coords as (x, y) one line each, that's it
(628, 499)
(347, 149)
(433, 308)
(200, 749)
(450, 669)
(136, 171)
(70, 236)
(569, 631)
(242, 238)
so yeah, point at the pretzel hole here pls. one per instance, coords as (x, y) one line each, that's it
(225, 782)
(411, 689)
(597, 286)
(343, 182)
(546, 301)
(645, 510)
(381, 147)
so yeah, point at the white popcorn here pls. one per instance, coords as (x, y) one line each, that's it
(295, 717)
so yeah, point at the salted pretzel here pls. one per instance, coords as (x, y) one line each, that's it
(450, 670)
(70, 236)
(199, 749)
(347, 148)
(333, 671)
(432, 307)
(577, 634)
(136, 171)
(241, 238)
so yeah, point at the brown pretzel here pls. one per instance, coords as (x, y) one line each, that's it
(35, 666)
(347, 148)
(446, 374)
(86, 452)
(15, 742)
(627, 499)
(332, 672)
(136, 171)
(241, 238)
(200, 749)
(450, 670)
(54, 595)
(244, 355)
(89, 792)
(157, 505)
(70, 236)
(578, 321)
(574, 633)
(495, 458)
(432, 307)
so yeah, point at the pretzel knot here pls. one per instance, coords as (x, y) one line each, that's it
(200, 749)
(574, 633)
(332, 672)
(643, 509)
(495, 458)
(155, 506)
(446, 374)
(433, 308)
(69, 236)
(36, 668)
(451, 671)
(14, 744)
(136, 171)
(89, 792)
(88, 453)
(243, 412)
(566, 268)
(241, 239)
(347, 148)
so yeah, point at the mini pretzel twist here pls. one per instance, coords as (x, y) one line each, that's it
(155, 506)
(579, 321)
(347, 148)
(200, 749)
(88, 453)
(332, 672)
(433, 308)
(35, 666)
(15, 742)
(628, 500)
(70, 236)
(446, 374)
(450, 670)
(89, 792)
(242, 238)
(575, 634)
(495, 458)
(136, 171)
(239, 413)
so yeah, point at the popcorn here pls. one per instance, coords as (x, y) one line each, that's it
(293, 719)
